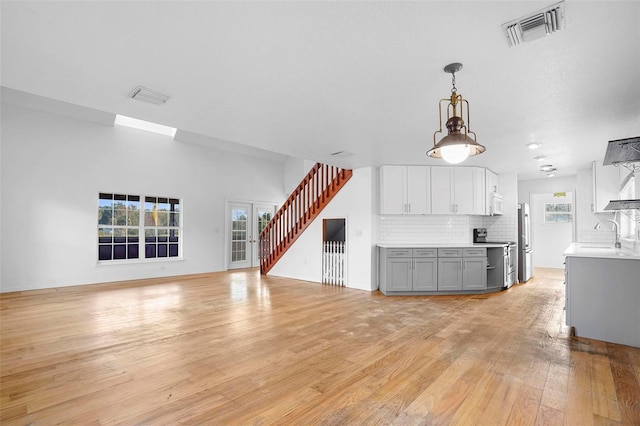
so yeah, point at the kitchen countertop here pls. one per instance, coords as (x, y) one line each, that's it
(601, 251)
(442, 245)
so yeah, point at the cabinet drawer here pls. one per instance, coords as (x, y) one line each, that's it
(425, 252)
(397, 252)
(474, 252)
(449, 252)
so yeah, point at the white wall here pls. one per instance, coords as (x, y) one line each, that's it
(53, 168)
(354, 202)
(295, 169)
(545, 186)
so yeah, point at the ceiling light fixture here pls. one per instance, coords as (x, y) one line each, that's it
(540, 158)
(547, 168)
(534, 145)
(458, 144)
(123, 120)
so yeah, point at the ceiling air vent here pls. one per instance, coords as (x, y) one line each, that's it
(147, 95)
(535, 25)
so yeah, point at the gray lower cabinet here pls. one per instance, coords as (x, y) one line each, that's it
(425, 274)
(474, 274)
(462, 269)
(603, 295)
(399, 274)
(428, 270)
(405, 270)
(450, 274)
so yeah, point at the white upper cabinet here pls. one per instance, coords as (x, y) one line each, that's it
(492, 181)
(405, 190)
(458, 190)
(606, 185)
(493, 200)
(442, 186)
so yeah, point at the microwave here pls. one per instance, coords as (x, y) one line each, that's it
(495, 204)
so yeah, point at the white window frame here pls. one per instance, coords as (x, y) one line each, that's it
(142, 227)
(568, 213)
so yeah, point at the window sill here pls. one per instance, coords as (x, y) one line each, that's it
(138, 261)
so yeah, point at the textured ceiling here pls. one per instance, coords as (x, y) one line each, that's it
(311, 78)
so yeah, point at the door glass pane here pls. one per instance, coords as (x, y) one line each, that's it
(239, 224)
(238, 251)
(264, 216)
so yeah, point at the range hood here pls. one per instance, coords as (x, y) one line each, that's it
(623, 205)
(622, 151)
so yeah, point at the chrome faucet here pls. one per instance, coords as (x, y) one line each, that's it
(614, 228)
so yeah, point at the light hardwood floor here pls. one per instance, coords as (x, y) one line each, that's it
(238, 348)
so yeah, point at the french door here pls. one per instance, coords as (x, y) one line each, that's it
(246, 221)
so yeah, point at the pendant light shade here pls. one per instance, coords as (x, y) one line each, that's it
(458, 144)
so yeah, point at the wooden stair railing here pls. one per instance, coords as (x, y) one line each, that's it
(304, 204)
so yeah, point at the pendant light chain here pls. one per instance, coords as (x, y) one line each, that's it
(454, 90)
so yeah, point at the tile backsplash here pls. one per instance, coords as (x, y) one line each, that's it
(443, 229)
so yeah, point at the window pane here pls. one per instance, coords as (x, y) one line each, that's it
(163, 235)
(132, 251)
(133, 217)
(119, 251)
(563, 217)
(105, 200)
(173, 250)
(132, 235)
(174, 219)
(119, 235)
(150, 235)
(549, 217)
(149, 250)
(163, 218)
(104, 252)
(105, 235)
(105, 216)
(162, 250)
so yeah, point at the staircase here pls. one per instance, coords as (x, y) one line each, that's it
(304, 204)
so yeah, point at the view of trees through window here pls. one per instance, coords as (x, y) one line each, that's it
(120, 223)
(557, 212)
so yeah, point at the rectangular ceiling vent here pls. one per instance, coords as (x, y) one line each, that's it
(141, 93)
(535, 25)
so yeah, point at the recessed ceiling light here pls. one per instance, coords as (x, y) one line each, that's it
(551, 174)
(123, 120)
(546, 168)
(534, 145)
(540, 158)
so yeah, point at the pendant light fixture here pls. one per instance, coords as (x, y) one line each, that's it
(458, 144)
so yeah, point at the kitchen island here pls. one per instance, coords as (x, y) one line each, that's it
(436, 269)
(603, 293)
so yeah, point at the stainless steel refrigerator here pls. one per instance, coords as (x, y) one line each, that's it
(525, 249)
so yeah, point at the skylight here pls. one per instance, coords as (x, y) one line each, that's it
(123, 120)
